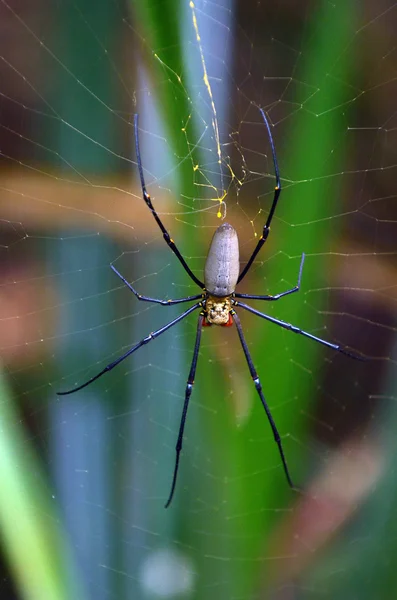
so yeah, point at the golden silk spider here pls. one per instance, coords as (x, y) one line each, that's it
(216, 302)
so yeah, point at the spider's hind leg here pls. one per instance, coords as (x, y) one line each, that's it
(258, 387)
(188, 392)
(134, 348)
(299, 331)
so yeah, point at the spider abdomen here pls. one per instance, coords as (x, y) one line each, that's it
(222, 266)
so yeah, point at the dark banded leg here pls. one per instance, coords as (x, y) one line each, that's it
(170, 242)
(295, 329)
(258, 387)
(145, 340)
(277, 192)
(188, 392)
(277, 296)
(148, 299)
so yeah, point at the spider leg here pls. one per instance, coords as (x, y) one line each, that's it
(170, 242)
(258, 387)
(295, 329)
(144, 341)
(148, 299)
(277, 192)
(188, 391)
(277, 296)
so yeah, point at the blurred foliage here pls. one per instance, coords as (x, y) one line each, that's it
(35, 542)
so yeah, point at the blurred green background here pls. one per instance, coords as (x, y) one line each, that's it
(85, 477)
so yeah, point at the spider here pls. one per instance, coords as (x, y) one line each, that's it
(217, 302)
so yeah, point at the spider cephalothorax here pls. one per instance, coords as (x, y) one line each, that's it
(217, 311)
(217, 301)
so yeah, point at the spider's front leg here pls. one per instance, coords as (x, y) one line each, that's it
(146, 196)
(277, 192)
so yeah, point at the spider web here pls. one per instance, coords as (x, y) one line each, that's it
(73, 75)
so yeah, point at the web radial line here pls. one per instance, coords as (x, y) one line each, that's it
(188, 392)
(277, 192)
(170, 242)
(295, 329)
(258, 387)
(296, 288)
(144, 341)
(155, 300)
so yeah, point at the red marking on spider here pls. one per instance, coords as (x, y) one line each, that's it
(228, 324)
